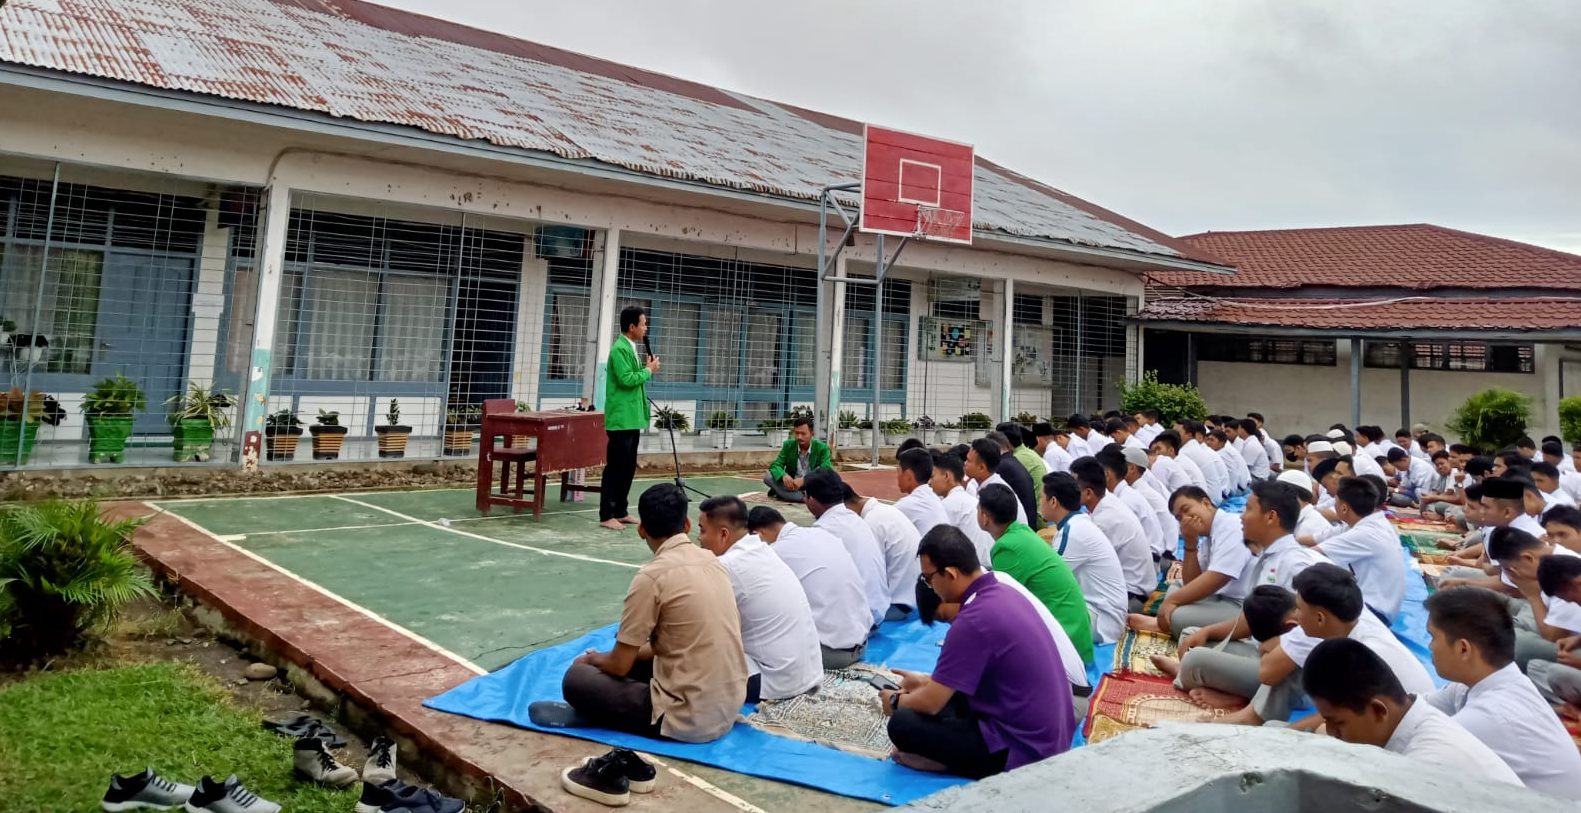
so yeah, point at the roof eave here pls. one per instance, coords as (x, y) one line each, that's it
(1523, 335)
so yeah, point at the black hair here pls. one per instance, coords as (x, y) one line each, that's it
(1114, 425)
(1112, 457)
(1218, 435)
(1397, 453)
(1170, 438)
(1379, 485)
(1554, 448)
(1131, 424)
(945, 546)
(847, 493)
(1506, 543)
(1265, 610)
(1042, 429)
(1431, 437)
(1547, 469)
(1150, 414)
(999, 502)
(1361, 495)
(1293, 440)
(1473, 492)
(1526, 443)
(825, 486)
(1439, 455)
(630, 316)
(803, 420)
(1012, 433)
(1062, 488)
(1514, 459)
(1331, 587)
(1248, 426)
(1076, 421)
(1001, 440)
(1373, 434)
(1461, 448)
(1347, 673)
(662, 509)
(1089, 474)
(908, 444)
(1478, 615)
(1566, 515)
(1555, 573)
(1402, 432)
(949, 462)
(1479, 465)
(1281, 499)
(988, 451)
(763, 516)
(1551, 438)
(1187, 493)
(1324, 468)
(1257, 416)
(960, 450)
(918, 462)
(726, 510)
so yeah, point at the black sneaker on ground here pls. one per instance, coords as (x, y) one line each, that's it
(376, 796)
(413, 799)
(230, 796)
(600, 779)
(144, 791)
(641, 776)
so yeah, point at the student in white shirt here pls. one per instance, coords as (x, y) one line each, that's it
(830, 582)
(1080, 430)
(1473, 645)
(1546, 477)
(1123, 431)
(1361, 701)
(898, 539)
(1173, 471)
(1216, 477)
(825, 498)
(960, 506)
(1239, 475)
(777, 628)
(1139, 478)
(1253, 453)
(1370, 547)
(1051, 446)
(1559, 680)
(1088, 553)
(982, 463)
(1114, 466)
(1121, 527)
(914, 475)
(1416, 476)
(1541, 619)
(1216, 558)
(1273, 448)
(1311, 524)
(1147, 426)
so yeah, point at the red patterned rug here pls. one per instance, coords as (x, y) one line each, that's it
(1127, 702)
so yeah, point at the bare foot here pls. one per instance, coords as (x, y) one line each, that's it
(917, 763)
(1244, 716)
(1570, 712)
(627, 520)
(1141, 623)
(1215, 699)
(612, 524)
(1167, 665)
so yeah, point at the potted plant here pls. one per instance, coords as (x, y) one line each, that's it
(924, 428)
(108, 412)
(1026, 419)
(845, 434)
(773, 432)
(948, 433)
(20, 416)
(282, 431)
(669, 421)
(328, 435)
(460, 421)
(973, 422)
(721, 423)
(197, 414)
(392, 435)
(895, 431)
(864, 432)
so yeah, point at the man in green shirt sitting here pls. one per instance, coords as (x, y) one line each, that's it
(1021, 553)
(799, 456)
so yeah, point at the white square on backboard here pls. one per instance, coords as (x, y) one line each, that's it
(924, 176)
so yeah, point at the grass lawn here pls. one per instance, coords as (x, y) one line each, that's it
(63, 734)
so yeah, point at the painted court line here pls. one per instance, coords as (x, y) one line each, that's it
(365, 527)
(436, 526)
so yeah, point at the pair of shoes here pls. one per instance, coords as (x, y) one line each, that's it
(313, 762)
(230, 796)
(150, 791)
(611, 778)
(304, 725)
(395, 796)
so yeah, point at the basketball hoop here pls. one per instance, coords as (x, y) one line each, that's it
(934, 222)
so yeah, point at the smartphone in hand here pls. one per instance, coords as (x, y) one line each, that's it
(881, 683)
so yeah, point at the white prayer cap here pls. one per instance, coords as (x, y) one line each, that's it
(1341, 448)
(1336, 434)
(1319, 446)
(1136, 457)
(1297, 478)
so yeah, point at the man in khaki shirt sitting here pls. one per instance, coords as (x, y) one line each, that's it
(678, 669)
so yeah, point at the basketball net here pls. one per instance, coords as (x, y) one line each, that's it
(933, 221)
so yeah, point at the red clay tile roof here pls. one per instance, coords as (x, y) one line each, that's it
(1394, 313)
(1420, 256)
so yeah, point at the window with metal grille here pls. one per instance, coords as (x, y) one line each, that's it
(1455, 356)
(1028, 309)
(1216, 347)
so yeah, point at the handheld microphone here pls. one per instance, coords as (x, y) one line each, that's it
(646, 347)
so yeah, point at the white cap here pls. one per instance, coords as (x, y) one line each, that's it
(1341, 448)
(1136, 457)
(1319, 446)
(1296, 477)
(1336, 434)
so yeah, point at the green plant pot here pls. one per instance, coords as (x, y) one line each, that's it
(14, 434)
(191, 439)
(107, 436)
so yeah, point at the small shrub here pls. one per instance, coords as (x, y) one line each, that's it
(1492, 419)
(1570, 419)
(667, 418)
(721, 420)
(977, 422)
(1174, 402)
(897, 426)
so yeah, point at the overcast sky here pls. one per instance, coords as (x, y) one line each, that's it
(1186, 115)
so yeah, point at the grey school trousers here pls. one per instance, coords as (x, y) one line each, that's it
(1203, 613)
(1558, 683)
(1234, 670)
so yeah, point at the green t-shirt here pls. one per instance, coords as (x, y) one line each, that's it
(1030, 560)
(1036, 468)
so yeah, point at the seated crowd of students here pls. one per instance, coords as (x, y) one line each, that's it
(1036, 544)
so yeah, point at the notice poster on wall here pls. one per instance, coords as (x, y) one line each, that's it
(961, 340)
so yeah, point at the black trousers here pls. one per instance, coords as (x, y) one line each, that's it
(620, 466)
(620, 703)
(950, 737)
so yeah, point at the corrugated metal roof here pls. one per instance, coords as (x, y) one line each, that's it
(356, 60)
(1420, 312)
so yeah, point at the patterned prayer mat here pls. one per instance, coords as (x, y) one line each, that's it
(1127, 702)
(1155, 599)
(1424, 541)
(843, 713)
(1432, 574)
(1133, 654)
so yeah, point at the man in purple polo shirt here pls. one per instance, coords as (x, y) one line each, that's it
(990, 704)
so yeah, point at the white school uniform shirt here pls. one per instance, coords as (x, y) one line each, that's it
(1556, 497)
(1096, 566)
(1431, 737)
(1383, 643)
(1216, 480)
(1371, 550)
(865, 551)
(1133, 442)
(923, 508)
(1172, 472)
(1225, 552)
(1274, 450)
(1570, 483)
(1124, 532)
(1419, 476)
(1372, 450)
(777, 628)
(1096, 441)
(1158, 503)
(898, 538)
(1312, 523)
(1150, 482)
(1566, 463)
(1505, 711)
(1279, 564)
(1056, 458)
(1240, 475)
(1363, 465)
(995, 479)
(1417, 451)
(1256, 458)
(1075, 670)
(1078, 447)
(830, 582)
(1143, 511)
(1529, 524)
(961, 508)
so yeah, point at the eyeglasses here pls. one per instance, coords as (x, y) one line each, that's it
(927, 578)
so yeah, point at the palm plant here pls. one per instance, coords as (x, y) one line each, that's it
(65, 571)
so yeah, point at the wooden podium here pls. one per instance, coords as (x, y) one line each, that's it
(560, 443)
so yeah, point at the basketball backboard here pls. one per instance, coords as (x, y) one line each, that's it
(916, 186)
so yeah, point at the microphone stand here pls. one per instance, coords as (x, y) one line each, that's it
(675, 454)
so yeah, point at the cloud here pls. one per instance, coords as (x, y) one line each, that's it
(1188, 115)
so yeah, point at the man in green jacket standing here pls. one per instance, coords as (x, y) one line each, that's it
(626, 414)
(799, 456)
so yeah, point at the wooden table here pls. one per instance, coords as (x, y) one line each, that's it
(563, 441)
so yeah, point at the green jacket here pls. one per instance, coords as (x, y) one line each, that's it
(1029, 560)
(790, 458)
(625, 390)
